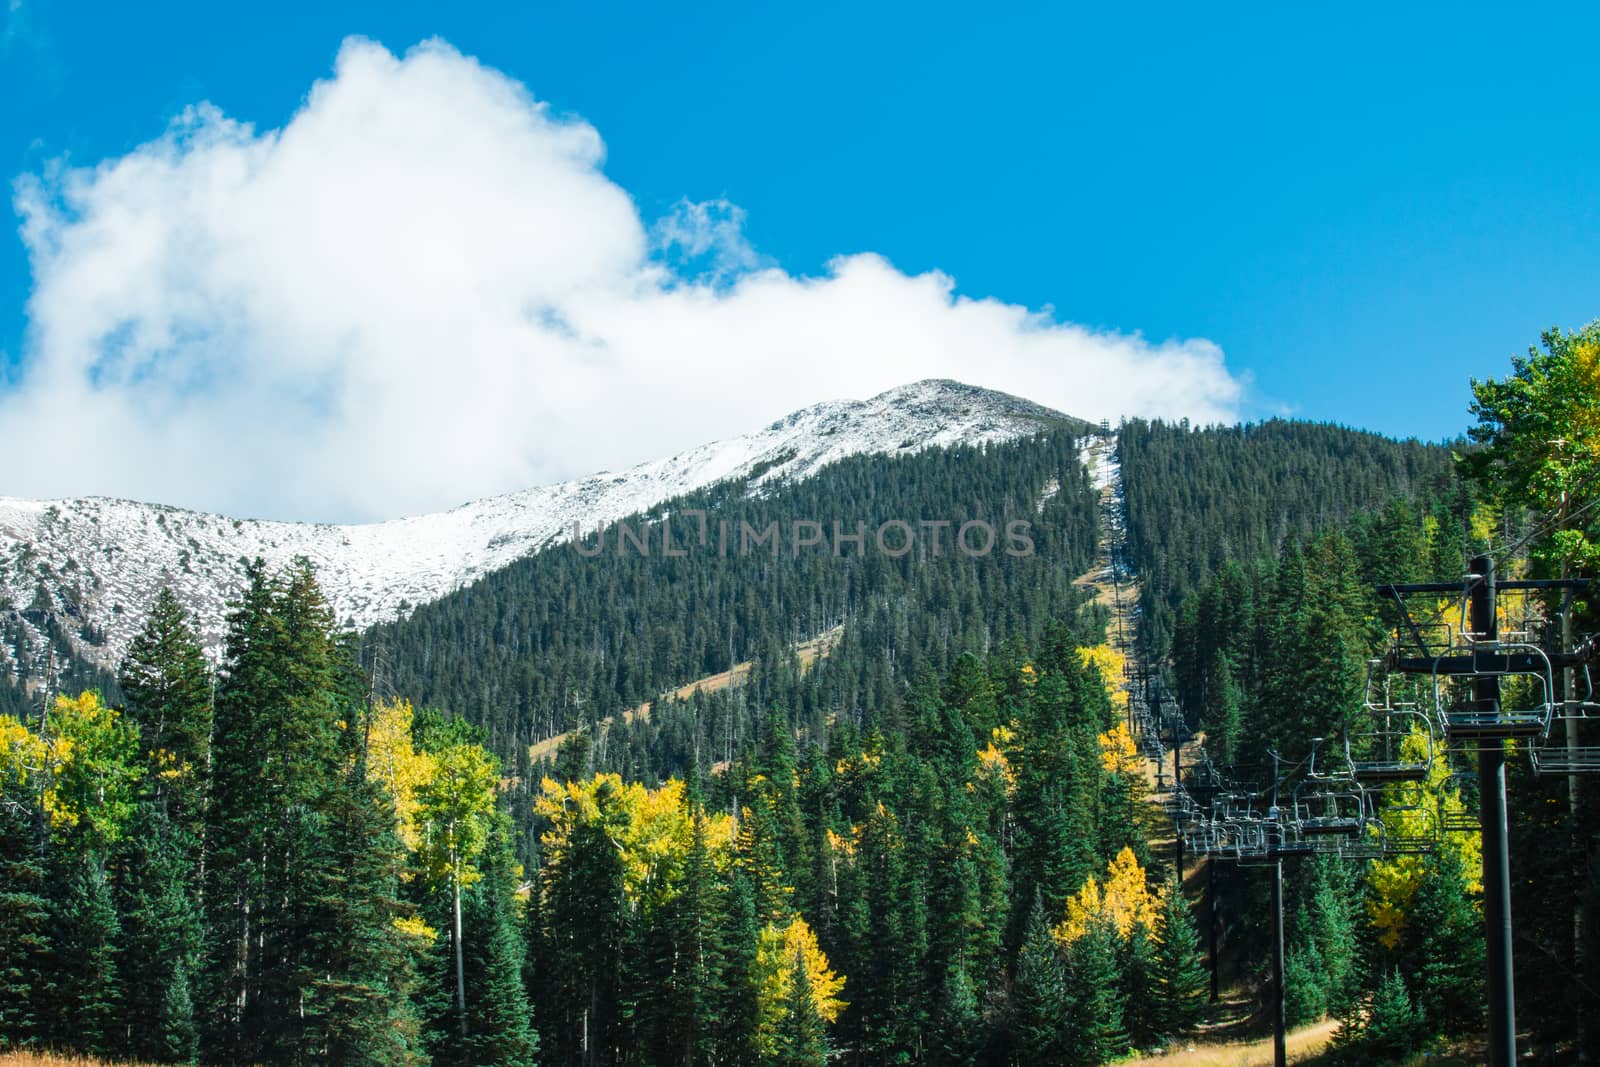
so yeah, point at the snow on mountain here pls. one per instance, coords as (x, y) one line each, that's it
(97, 563)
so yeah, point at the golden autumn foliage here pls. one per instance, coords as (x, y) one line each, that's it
(84, 767)
(780, 949)
(840, 845)
(22, 754)
(1409, 811)
(1111, 664)
(455, 807)
(1118, 753)
(394, 760)
(416, 930)
(1124, 898)
(994, 764)
(652, 829)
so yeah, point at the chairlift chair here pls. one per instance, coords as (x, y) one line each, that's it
(1420, 838)
(1376, 752)
(1464, 820)
(1366, 847)
(1552, 753)
(1327, 809)
(1492, 719)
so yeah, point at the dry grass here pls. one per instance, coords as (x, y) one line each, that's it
(807, 651)
(55, 1059)
(1303, 1044)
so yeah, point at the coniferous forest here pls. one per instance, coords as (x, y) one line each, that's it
(458, 838)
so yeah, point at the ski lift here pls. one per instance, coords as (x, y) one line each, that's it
(1416, 834)
(1569, 744)
(1492, 718)
(1328, 803)
(1463, 819)
(1385, 748)
(1330, 809)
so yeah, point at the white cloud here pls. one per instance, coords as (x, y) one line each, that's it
(709, 232)
(423, 289)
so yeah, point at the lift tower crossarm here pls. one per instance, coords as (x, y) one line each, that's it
(1388, 589)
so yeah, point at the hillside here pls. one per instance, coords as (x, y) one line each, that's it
(89, 567)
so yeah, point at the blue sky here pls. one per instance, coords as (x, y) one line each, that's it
(1361, 206)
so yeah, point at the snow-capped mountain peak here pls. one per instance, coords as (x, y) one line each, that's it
(99, 562)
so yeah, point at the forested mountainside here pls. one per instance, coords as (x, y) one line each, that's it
(77, 576)
(290, 872)
(929, 844)
(559, 639)
(42, 640)
(1199, 496)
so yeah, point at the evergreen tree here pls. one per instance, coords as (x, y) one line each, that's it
(695, 990)
(167, 685)
(1040, 996)
(581, 945)
(1447, 965)
(359, 999)
(1178, 979)
(498, 1028)
(958, 1025)
(160, 942)
(1140, 998)
(1387, 1031)
(295, 904)
(802, 1035)
(1095, 1006)
(26, 949)
(249, 690)
(83, 982)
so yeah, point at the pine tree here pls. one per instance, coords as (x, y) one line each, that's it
(1447, 966)
(958, 1024)
(168, 689)
(160, 941)
(802, 1035)
(736, 1020)
(83, 981)
(359, 997)
(1333, 929)
(282, 709)
(1227, 712)
(26, 949)
(1135, 954)
(240, 811)
(580, 948)
(1389, 1030)
(1096, 1027)
(1040, 995)
(694, 935)
(1178, 980)
(498, 1028)
(179, 1040)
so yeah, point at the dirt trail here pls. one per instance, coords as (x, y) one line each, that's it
(808, 651)
(1111, 578)
(1303, 1044)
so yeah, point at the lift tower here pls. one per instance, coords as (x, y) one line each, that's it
(1482, 655)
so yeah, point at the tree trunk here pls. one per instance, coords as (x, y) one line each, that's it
(461, 973)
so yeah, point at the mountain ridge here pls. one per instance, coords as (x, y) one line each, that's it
(99, 561)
